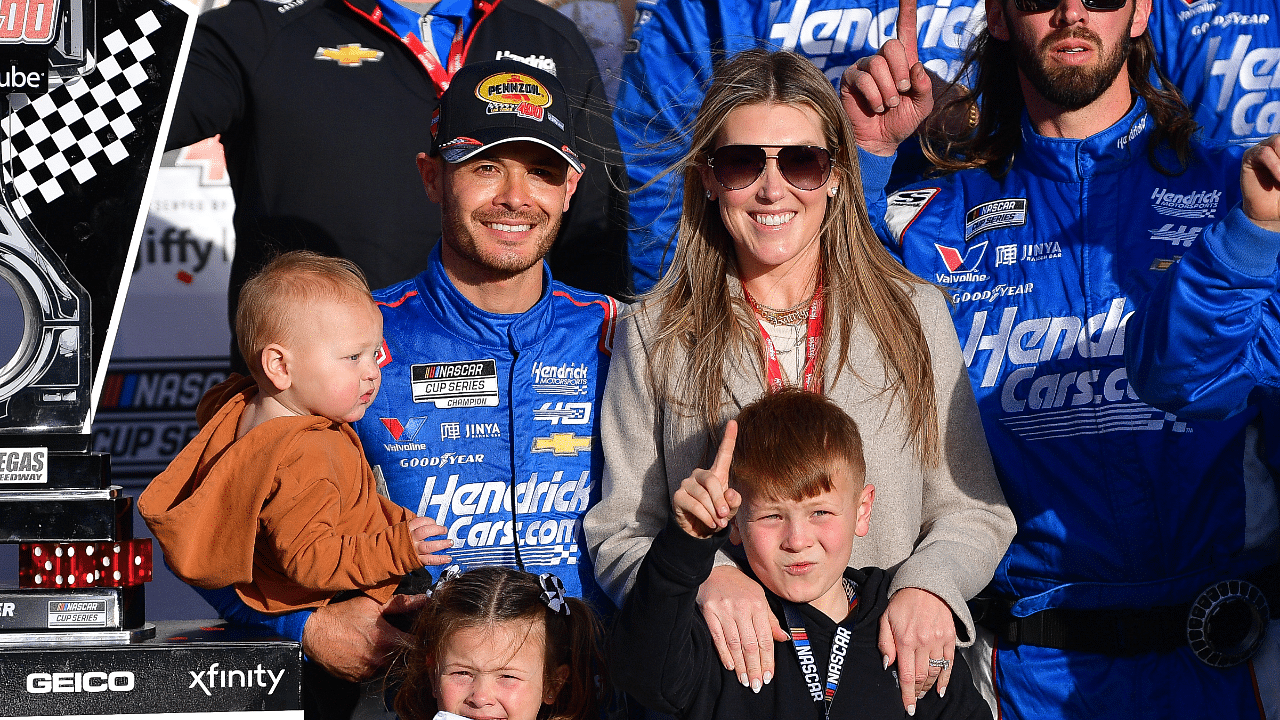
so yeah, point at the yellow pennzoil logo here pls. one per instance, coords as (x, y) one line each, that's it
(514, 92)
(349, 55)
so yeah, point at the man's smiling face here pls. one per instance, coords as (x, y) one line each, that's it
(501, 207)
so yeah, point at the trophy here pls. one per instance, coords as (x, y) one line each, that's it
(88, 86)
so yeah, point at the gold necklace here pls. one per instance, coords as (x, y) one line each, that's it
(791, 316)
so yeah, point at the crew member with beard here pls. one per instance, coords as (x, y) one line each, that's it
(491, 371)
(1143, 576)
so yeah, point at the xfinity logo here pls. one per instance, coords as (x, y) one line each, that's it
(214, 678)
(90, 682)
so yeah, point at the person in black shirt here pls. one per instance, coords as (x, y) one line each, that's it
(788, 485)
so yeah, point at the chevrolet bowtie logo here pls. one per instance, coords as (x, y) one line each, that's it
(349, 55)
(562, 444)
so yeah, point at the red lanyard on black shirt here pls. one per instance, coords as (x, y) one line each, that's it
(441, 75)
(810, 379)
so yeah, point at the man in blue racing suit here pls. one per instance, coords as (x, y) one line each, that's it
(1073, 185)
(667, 66)
(491, 371)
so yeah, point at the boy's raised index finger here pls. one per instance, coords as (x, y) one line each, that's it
(907, 30)
(724, 455)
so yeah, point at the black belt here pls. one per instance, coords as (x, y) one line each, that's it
(1224, 625)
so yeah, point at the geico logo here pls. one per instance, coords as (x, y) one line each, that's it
(1039, 339)
(90, 682)
(478, 498)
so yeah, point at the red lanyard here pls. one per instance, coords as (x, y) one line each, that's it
(442, 75)
(810, 379)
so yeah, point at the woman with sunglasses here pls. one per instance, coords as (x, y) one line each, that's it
(779, 280)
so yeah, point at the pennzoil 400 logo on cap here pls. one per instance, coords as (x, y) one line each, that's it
(514, 93)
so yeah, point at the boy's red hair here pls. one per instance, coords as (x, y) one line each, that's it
(788, 442)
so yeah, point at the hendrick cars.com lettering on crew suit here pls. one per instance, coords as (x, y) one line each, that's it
(1225, 57)
(486, 423)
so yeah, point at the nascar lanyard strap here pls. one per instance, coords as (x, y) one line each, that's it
(809, 379)
(822, 696)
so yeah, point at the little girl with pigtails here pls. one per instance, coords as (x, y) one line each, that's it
(500, 643)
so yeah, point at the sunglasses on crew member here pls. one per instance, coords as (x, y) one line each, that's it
(1038, 6)
(806, 167)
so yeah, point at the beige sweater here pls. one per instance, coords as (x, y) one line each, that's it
(942, 529)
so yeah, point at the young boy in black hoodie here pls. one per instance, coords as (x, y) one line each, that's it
(788, 485)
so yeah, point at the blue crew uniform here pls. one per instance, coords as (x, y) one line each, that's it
(476, 408)
(486, 423)
(1119, 505)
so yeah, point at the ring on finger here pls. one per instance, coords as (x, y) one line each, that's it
(939, 663)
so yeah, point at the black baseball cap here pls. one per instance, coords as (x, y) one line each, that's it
(501, 101)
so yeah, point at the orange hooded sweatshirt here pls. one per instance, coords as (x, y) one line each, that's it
(289, 513)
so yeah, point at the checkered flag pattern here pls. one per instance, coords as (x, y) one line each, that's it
(75, 131)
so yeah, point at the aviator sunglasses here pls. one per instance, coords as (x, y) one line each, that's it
(1038, 6)
(806, 167)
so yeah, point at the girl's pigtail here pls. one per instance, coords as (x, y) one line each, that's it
(578, 643)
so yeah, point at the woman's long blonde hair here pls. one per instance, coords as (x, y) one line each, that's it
(862, 283)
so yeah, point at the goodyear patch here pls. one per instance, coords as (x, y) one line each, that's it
(515, 93)
(1006, 212)
(473, 383)
(904, 208)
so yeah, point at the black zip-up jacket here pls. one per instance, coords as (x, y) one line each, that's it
(661, 651)
(321, 155)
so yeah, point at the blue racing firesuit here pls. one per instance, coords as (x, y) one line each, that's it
(1206, 341)
(1225, 57)
(1119, 505)
(486, 423)
(477, 408)
(667, 66)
